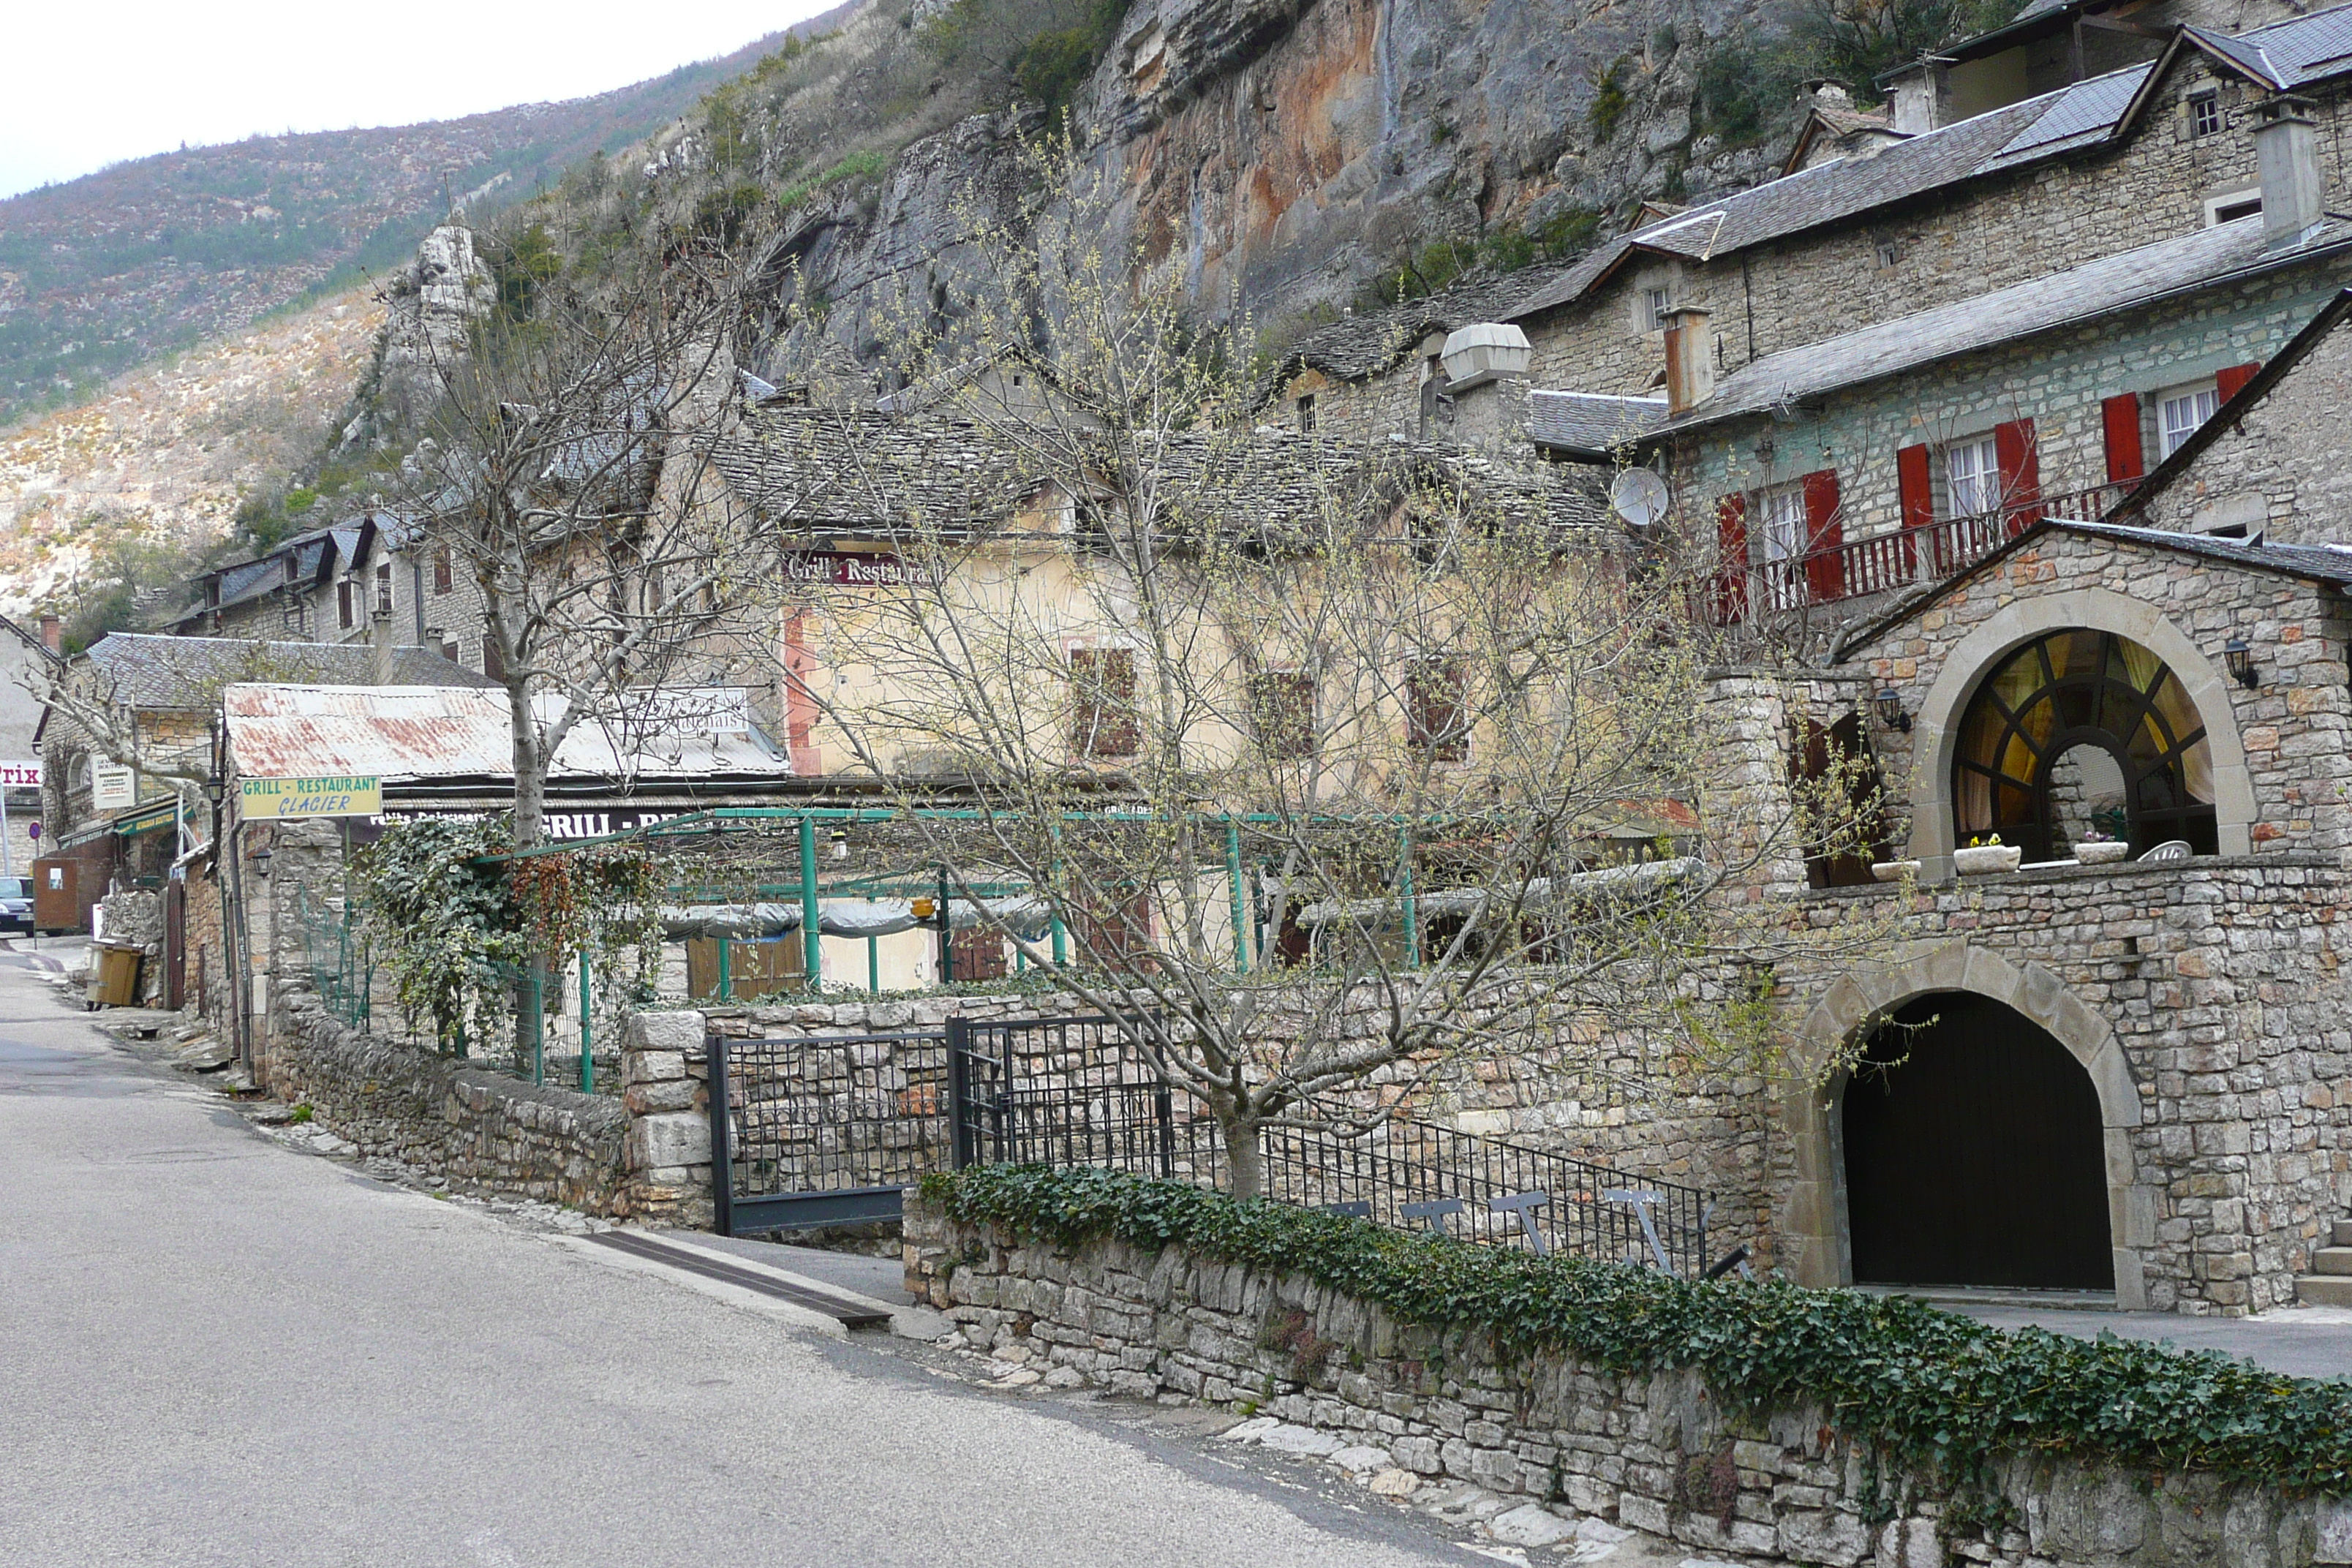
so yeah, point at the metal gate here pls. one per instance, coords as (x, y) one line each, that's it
(826, 1130)
(832, 1129)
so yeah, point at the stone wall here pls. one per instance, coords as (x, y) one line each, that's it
(2280, 469)
(1664, 1454)
(481, 1131)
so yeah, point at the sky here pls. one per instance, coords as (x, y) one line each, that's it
(98, 81)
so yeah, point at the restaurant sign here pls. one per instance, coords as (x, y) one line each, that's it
(851, 570)
(266, 799)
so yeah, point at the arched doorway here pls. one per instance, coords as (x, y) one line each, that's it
(1974, 1153)
(2080, 730)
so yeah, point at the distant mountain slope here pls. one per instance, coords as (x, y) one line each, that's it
(162, 459)
(107, 271)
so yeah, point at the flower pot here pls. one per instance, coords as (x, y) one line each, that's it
(1987, 860)
(2105, 854)
(1894, 871)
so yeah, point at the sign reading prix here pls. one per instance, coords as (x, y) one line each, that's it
(853, 570)
(264, 800)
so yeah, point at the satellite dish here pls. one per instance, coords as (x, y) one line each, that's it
(1639, 496)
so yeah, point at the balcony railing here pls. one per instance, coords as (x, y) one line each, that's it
(1882, 562)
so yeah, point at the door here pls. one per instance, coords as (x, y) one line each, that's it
(175, 943)
(1974, 1154)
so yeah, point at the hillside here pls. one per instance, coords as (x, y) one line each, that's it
(105, 272)
(160, 463)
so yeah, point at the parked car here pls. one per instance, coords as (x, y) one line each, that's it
(15, 904)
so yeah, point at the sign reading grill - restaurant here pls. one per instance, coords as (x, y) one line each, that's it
(852, 571)
(266, 799)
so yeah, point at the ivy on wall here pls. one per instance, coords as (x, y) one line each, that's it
(1948, 1394)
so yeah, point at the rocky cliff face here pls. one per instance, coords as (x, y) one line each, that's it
(1281, 155)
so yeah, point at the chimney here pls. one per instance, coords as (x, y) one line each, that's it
(2286, 155)
(52, 633)
(1922, 96)
(1485, 367)
(380, 643)
(1690, 359)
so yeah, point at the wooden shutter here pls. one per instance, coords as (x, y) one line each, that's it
(1435, 719)
(2119, 416)
(2232, 379)
(2020, 473)
(441, 573)
(1102, 693)
(344, 603)
(1914, 488)
(1731, 559)
(1824, 537)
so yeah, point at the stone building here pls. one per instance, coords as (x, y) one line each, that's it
(2134, 1075)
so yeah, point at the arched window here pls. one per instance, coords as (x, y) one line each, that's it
(2082, 729)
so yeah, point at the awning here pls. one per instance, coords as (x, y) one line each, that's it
(1581, 887)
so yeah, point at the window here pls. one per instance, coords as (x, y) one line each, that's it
(441, 570)
(383, 588)
(1657, 304)
(1889, 253)
(1972, 475)
(1781, 516)
(492, 665)
(1307, 415)
(1103, 719)
(2232, 206)
(343, 615)
(2180, 412)
(1436, 720)
(1282, 712)
(2205, 113)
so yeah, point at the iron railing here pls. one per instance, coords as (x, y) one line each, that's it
(826, 1130)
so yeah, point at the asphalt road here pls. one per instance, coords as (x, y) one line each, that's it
(216, 1350)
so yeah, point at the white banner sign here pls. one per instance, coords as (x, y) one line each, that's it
(25, 774)
(113, 788)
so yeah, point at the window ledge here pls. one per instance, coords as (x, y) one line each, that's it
(2128, 870)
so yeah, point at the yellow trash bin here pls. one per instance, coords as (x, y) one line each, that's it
(118, 976)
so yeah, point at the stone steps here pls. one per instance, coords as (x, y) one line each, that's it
(2329, 1283)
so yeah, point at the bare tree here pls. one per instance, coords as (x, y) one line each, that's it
(1342, 766)
(568, 481)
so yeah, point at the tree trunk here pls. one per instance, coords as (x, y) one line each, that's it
(529, 768)
(1245, 1156)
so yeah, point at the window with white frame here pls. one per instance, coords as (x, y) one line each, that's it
(2179, 411)
(1657, 304)
(1972, 475)
(1781, 519)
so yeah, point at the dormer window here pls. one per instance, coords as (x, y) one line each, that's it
(2205, 112)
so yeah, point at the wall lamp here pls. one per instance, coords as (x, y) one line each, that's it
(1889, 703)
(2241, 661)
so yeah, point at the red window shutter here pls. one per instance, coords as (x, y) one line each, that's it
(1824, 537)
(2020, 473)
(1914, 487)
(2119, 416)
(1731, 559)
(2229, 381)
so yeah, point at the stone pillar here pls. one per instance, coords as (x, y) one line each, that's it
(667, 1145)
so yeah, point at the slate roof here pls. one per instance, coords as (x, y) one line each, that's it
(826, 469)
(188, 673)
(2205, 258)
(1370, 342)
(2289, 53)
(1589, 425)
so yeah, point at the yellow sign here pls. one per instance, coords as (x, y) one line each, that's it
(269, 798)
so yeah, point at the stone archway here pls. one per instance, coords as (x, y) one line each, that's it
(1937, 724)
(1813, 1232)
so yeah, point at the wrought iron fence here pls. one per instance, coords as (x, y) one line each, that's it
(826, 1130)
(1087, 1091)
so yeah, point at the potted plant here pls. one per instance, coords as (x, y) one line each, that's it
(2098, 848)
(1894, 871)
(1986, 855)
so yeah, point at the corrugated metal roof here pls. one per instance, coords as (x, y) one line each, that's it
(405, 733)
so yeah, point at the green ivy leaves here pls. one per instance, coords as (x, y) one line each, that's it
(1941, 1390)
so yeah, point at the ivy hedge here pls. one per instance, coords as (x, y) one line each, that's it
(1941, 1391)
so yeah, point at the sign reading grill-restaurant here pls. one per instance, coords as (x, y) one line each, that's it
(852, 571)
(266, 799)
